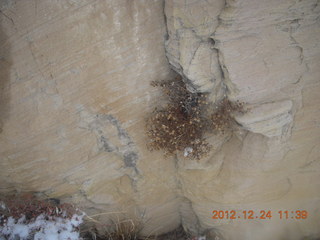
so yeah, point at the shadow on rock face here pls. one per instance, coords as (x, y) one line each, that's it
(5, 64)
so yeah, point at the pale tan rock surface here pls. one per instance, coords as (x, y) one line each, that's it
(269, 57)
(75, 91)
(75, 80)
(269, 119)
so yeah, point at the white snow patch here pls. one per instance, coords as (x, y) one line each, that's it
(2, 206)
(199, 238)
(187, 151)
(42, 228)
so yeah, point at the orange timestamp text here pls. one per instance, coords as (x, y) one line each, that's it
(260, 214)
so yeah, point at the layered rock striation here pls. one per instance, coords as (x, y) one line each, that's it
(75, 92)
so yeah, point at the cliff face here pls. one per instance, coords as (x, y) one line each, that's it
(75, 93)
(265, 53)
(76, 77)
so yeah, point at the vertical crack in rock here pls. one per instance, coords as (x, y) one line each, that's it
(299, 103)
(175, 66)
(166, 37)
(293, 26)
(227, 86)
(189, 47)
(188, 217)
(193, 54)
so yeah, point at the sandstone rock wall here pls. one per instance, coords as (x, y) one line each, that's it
(267, 54)
(75, 86)
(75, 91)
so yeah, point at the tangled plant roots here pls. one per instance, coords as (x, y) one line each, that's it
(181, 125)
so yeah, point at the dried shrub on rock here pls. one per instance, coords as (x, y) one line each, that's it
(181, 125)
(26, 217)
(177, 234)
(222, 118)
(29, 206)
(122, 230)
(131, 230)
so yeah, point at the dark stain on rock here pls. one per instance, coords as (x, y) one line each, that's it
(122, 133)
(105, 125)
(105, 145)
(130, 159)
